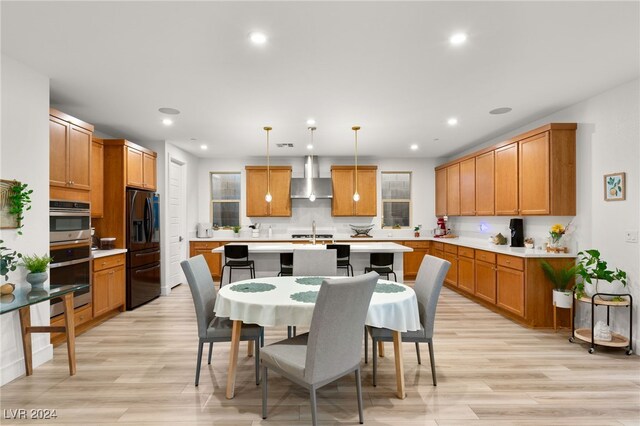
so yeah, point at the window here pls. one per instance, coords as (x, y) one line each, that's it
(396, 199)
(225, 199)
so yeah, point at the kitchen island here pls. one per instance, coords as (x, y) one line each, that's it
(267, 256)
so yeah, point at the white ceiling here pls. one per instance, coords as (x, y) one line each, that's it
(387, 67)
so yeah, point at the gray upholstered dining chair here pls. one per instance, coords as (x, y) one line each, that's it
(333, 346)
(323, 263)
(210, 327)
(427, 287)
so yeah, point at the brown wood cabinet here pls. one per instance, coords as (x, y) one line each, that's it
(109, 281)
(510, 290)
(453, 190)
(485, 281)
(485, 186)
(506, 180)
(344, 185)
(412, 260)
(468, 187)
(141, 168)
(279, 186)
(97, 178)
(451, 255)
(441, 192)
(214, 260)
(69, 157)
(466, 271)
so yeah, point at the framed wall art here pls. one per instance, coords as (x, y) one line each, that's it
(7, 220)
(614, 187)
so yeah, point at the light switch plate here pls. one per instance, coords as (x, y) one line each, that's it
(631, 235)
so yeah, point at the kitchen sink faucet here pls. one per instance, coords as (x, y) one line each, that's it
(313, 232)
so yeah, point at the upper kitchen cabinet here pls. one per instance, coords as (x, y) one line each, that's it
(468, 187)
(279, 185)
(141, 168)
(97, 178)
(453, 190)
(343, 180)
(484, 184)
(69, 157)
(441, 192)
(506, 180)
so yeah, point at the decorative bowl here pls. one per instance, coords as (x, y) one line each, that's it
(362, 229)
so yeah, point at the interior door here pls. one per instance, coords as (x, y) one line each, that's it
(177, 220)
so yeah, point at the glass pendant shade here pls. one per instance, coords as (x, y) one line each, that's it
(356, 197)
(268, 197)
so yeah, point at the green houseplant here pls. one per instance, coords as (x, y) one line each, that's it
(594, 271)
(560, 278)
(236, 231)
(8, 260)
(19, 202)
(37, 267)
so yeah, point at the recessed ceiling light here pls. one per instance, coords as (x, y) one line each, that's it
(309, 147)
(258, 38)
(311, 122)
(203, 147)
(502, 110)
(171, 111)
(452, 121)
(167, 122)
(458, 39)
(414, 147)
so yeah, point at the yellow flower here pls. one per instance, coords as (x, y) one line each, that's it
(557, 229)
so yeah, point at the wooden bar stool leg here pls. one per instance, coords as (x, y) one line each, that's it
(380, 348)
(25, 323)
(555, 317)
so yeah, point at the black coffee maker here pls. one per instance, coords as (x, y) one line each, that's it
(517, 232)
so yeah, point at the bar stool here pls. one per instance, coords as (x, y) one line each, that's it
(382, 263)
(237, 257)
(286, 265)
(343, 252)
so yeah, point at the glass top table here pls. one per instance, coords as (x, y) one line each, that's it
(25, 296)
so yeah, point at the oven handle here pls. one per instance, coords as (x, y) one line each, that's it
(137, 271)
(69, 213)
(66, 243)
(70, 262)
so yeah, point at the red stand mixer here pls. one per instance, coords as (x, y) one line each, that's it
(441, 228)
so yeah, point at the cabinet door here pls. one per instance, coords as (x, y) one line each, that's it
(79, 158)
(342, 182)
(441, 192)
(411, 263)
(438, 253)
(281, 192)
(134, 168)
(117, 283)
(368, 190)
(485, 184)
(506, 180)
(453, 190)
(58, 135)
(468, 187)
(485, 278)
(452, 274)
(100, 292)
(534, 175)
(149, 171)
(256, 190)
(466, 277)
(510, 295)
(97, 179)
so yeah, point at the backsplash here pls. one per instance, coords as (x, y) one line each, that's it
(536, 227)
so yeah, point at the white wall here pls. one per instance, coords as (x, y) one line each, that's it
(24, 155)
(607, 141)
(304, 211)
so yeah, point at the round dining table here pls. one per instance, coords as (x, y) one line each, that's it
(285, 301)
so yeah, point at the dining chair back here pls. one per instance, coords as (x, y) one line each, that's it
(286, 265)
(210, 327)
(333, 345)
(236, 251)
(237, 257)
(315, 262)
(382, 263)
(343, 253)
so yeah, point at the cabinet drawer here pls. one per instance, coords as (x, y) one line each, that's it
(83, 315)
(486, 256)
(450, 248)
(437, 246)
(511, 262)
(108, 262)
(466, 252)
(201, 245)
(417, 244)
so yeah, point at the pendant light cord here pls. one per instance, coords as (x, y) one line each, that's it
(267, 129)
(355, 129)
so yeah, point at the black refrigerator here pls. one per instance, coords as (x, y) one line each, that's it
(143, 247)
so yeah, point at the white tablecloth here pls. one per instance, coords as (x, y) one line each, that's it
(395, 311)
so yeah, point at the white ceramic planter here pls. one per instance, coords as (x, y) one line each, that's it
(562, 298)
(614, 287)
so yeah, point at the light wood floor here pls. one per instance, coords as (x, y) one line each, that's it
(138, 368)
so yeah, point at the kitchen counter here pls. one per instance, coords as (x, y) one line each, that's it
(97, 254)
(479, 244)
(275, 247)
(337, 238)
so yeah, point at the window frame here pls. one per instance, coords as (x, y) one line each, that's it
(212, 200)
(397, 200)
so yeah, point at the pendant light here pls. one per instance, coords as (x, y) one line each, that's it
(268, 197)
(312, 195)
(356, 196)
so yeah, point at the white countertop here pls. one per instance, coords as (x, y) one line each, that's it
(275, 247)
(96, 254)
(336, 238)
(479, 244)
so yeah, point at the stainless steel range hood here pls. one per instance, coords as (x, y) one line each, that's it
(302, 187)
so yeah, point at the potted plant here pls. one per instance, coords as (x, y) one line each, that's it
(8, 262)
(236, 231)
(19, 202)
(416, 230)
(560, 278)
(593, 271)
(37, 267)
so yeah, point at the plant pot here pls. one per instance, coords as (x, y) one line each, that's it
(614, 287)
(562, 298)
(37, 279)
(416, 234)
(236, 235)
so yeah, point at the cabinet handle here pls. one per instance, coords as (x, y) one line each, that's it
(507, 261)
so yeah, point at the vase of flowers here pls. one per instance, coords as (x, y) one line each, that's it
(555, 235)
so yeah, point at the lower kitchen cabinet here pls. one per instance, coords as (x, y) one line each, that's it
(466, 278)
(510, 294)
(214, 260)
(485, 280)
(452, 274)
(109, 284)
(412, 260)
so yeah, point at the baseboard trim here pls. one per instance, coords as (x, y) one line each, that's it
(16, 369)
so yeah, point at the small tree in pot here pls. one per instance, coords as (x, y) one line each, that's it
(560, 278)
(594, 272)
(37, 267)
